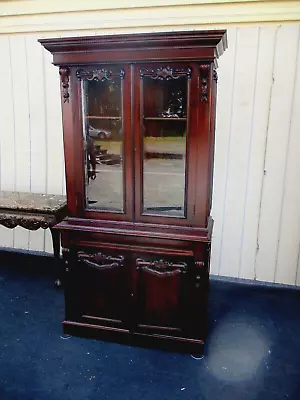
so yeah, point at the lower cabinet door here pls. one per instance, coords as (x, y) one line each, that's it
(161, 296)
(96, 289)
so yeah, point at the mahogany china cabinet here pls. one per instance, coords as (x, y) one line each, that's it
(138, 123)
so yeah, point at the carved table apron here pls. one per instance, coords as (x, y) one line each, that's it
(33, 211)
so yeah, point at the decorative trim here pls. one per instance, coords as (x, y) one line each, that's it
(28, 221)
(64, 73)
(165, 73)
(199, 264)
(161, 267)
(99, 75)
(215, 77)
(100, 260)
(204, 72)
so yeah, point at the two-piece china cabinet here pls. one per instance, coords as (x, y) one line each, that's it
(138, 122)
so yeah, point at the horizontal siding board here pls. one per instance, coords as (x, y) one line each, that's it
(137, 17)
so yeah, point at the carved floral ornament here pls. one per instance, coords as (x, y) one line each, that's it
(100, 75)
(165, 73)
(204, 79)
(100, 260)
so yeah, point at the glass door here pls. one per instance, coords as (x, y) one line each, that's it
(162, 141)
(105, 116)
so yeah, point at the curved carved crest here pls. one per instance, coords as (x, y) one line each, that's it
(161, 267)
(165, 73)
(100, 75)
(100, 260)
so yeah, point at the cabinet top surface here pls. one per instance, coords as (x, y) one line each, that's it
(23, 201)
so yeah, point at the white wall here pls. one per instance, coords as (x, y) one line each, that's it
(256, 203)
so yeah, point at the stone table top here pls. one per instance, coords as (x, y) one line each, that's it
(28, 202)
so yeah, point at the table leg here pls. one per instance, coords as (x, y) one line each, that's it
(56, 250)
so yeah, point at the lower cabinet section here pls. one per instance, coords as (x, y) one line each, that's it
(136, 295)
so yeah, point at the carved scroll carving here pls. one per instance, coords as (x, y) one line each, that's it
(100, 260)
(28, 221)
(165, 73)
(100, 75)
(64, 73)
(161, 267)
(204, 78)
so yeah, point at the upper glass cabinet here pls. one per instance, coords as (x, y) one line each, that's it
(164, 128)
(103, 113)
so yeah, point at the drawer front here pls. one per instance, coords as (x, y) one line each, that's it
(117, 243)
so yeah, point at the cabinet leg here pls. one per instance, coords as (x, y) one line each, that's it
(56, 251)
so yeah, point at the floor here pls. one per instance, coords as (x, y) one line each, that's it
(252, 352)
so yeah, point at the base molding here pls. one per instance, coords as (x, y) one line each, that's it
(126, 337)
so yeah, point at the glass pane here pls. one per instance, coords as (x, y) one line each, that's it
(103, 134)
(164, 145)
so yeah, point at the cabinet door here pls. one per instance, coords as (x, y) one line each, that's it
(166, 121)
(96, 290)
(106, 125)
(161, 295)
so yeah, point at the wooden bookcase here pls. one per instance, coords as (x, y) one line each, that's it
(138, 121)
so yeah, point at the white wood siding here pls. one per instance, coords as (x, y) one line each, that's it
(256, 201)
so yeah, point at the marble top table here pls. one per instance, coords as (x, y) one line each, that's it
(33, 211)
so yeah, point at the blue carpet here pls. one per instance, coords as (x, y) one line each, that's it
(252, 351)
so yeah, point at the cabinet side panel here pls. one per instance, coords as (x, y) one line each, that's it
(226, 81)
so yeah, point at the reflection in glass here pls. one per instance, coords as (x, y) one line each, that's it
(102, 111)
(164, 145)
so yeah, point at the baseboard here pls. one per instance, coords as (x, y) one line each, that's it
(15, 252)
(251, 282)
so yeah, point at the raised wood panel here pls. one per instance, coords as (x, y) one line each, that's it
(265, 212)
